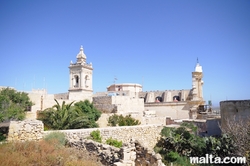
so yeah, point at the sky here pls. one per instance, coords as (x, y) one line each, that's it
(152, 43)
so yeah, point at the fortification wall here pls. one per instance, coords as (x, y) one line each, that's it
(63, 96)
(119, 104)
(234, 110)
(175, 110)
(104, 104)
(167, 96)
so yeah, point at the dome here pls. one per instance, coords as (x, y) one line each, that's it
(198, 68)
(81, 54)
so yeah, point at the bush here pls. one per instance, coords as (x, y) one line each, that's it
(96, 136)
(56, 137)
(2, 137)
(120, 120)
(114, 142)
(13, 104)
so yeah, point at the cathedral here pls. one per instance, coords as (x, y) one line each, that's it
(125, 98)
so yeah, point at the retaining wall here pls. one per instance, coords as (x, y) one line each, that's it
(146, 135)
(25, 130)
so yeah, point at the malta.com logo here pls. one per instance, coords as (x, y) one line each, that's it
(210, 159)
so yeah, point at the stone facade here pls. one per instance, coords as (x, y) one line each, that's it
(119, 104)
(236, 110)
(25, 130)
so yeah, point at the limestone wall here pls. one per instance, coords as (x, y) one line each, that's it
(119, 104)
(234, 110)
(104, 104)
(63, 96)
(25, 130)
(175, 110)
(147, 135)
(167, 96)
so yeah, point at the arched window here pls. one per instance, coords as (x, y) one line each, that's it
(176, 98)
(158, 99)
(76, 83)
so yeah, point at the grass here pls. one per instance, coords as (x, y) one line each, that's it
(43, 153)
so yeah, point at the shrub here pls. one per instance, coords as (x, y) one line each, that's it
(120, 120)
(114, 142)
(2, 137)
(56, 137)
(96, 136)
(67, 116)
(13, 104)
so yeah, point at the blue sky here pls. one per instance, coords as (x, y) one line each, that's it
(154, 43)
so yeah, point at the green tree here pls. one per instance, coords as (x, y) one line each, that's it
(69, 116)
(122, 121)
(90, 112)
(13, 104)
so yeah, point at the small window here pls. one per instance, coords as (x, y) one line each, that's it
(176, 98)
(158, 99)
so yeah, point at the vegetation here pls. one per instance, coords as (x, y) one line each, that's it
(13, 104)
(58, 136)
(96, 136)
(239, 130)
(67, 116)
(114, 142)
(120, 120)
(2, 137)
(44, 152)
(177, 144)
(90, 112)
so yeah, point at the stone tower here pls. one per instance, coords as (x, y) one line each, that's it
(197, 83)
(80, 78)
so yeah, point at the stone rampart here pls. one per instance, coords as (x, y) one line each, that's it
(236, 110)
(104, 104)
(146, 135)
(62, 96)
(25, 130)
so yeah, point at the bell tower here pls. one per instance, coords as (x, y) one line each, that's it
(80, 78)
(197, 83)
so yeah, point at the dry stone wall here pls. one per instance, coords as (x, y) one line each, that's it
(138, 141)
(25, 130)
(131, 154)
(147, 135)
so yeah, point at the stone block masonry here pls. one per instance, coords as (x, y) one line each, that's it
(25, 130)
(146, 135)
